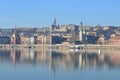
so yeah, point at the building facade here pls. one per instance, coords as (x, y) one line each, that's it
(4, 40)
(29, 40)
(114, 41)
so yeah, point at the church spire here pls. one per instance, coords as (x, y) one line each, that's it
(15, 29)
(81, 23)
(54, 21)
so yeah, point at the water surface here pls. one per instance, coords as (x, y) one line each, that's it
(29, 64)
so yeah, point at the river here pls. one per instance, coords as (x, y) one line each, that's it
(30, 64)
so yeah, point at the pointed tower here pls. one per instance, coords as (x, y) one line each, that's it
(53, 26)
(15, 39)
(54, 22)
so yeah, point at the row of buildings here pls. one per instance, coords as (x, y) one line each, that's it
(56, 35)
(64, 34)
(36, 39)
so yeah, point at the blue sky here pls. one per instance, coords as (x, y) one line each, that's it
(40, 13)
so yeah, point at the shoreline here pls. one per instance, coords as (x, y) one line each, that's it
(58, 46)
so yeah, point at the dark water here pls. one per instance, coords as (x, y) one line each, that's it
(54, 65)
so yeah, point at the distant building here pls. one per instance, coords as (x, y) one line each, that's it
(63, 28)
(114, 40)
(91, 33)
(56, 28)
(23, 40)
(72, 27)
(66, 43)
(87, 28)
(91, 39)
(40, 39)
(53, 26)
(97, 27)
(29, 40)
(73, 38)
(53, 39)
(101, 39)
(105, 27)
(57, 39)
(33, 40)
(4, 40)
(42, 30)
(15, 39)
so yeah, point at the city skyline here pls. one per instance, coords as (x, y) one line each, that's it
(40, 13)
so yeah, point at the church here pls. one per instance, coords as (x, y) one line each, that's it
(15, 39)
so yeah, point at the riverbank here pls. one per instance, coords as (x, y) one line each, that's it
(60, 46)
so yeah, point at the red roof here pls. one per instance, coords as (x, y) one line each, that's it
(116, 38)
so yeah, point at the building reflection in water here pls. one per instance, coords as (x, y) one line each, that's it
(60, 60)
